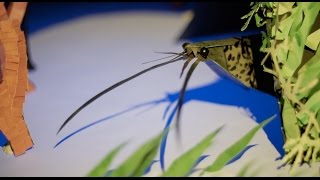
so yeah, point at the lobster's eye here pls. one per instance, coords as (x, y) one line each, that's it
(184, 45)
(204, 52)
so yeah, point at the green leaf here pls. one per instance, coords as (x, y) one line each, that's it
(101, 169)
(284, 27)
(249, 16)
(259, 21)
(244, 171)
(254, 9)
(318, 117)
(289, 119)
(139, 160)
(312, 63)
(312, 105)
(235, 148)
(183, 164)
(265, 42)
(285, 7)
(313, 132)
(303, 21)
(294, 46)
(313, 40)
(282, 50)
(308, 77)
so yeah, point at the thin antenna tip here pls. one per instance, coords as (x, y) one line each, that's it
(59, 130)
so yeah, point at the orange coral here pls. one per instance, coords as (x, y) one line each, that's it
(13, 77)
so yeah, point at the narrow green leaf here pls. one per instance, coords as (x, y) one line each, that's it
(318, 117)
(145, 162)
(259, 20)
(183, 164)
(289, 119)
(249, 16)
(236, 148)
(101, 169)
(139, 160)
(244, 171)
(254, 9)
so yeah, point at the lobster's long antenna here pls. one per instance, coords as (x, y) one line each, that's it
(159, 59)
(182, 92)
(177, 58)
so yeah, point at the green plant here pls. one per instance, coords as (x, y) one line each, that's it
(292, 41)
(137, 162)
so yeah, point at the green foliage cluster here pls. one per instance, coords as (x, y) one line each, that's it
(292, 40)
(137, 162)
